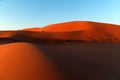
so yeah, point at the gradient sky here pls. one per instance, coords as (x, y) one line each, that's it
(18, 14)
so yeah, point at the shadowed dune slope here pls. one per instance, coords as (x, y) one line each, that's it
(80, 56)
(67, 61)
(85, 61)
(22, 61)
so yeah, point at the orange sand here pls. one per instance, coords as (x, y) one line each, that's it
(76, 30)
(22, 61)
(74, 59)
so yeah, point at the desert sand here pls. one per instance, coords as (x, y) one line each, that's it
(77, 50)
(22, 61)
(71, 31)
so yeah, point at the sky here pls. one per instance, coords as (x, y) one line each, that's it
(19, 14)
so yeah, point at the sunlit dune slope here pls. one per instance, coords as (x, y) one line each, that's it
(63, 27)
(72, 26)
(72, 31)
(22, 61)
(76, 58)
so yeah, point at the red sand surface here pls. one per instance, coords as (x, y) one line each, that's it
(76, 30)
(22, 61)
(75, 26)
(88, 51)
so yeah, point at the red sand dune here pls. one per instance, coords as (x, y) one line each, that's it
(74, 26)
(76, 58)
(63, 27)
(22, 61)
(74, 31)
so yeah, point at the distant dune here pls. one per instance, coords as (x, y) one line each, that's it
(72, 26)
(69, 31)
(77, 50)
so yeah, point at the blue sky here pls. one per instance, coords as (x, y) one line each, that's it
(18, 14)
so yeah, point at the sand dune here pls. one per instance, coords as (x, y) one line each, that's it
(72, 31)
(85, 61)
(76, 26)
(79, 50)
(67, 61)
(22, 61)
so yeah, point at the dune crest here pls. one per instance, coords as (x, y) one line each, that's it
(87, 51)
(69, 31)
(22, 61)
(71, 26)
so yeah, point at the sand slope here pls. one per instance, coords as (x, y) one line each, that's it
(22, 61)
(85, 61)
(72, 31)
(73, 61)
(84, 52)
